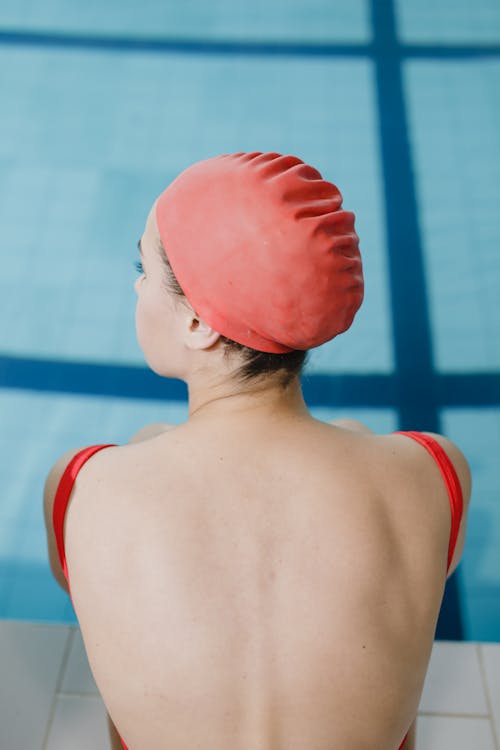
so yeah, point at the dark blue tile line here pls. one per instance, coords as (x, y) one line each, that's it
(129, 381)
(415, 377)
(109, 43)
(125, 381)
(372, 390)
(468, 390)
(478, 389)
(178, 45)
(87, 378)
(408, 293)
(448, 51)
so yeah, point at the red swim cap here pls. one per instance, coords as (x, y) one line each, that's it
(263, 250)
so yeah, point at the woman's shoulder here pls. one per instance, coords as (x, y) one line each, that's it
(413, 450)
(151, 431)
(119, 461)
(101, 459)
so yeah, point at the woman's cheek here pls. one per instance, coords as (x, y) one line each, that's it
(151, 326)
(143, 324)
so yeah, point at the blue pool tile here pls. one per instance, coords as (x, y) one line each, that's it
(448, 21)
(477, 433)
(456, 153)
(28, 592)
(314, 20)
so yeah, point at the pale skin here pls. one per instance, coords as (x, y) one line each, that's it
(256, 578)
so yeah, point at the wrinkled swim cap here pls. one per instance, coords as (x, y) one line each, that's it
(263, 250)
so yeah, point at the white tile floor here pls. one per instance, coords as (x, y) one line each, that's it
(49, 701)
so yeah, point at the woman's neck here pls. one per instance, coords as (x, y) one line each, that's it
(231, 399)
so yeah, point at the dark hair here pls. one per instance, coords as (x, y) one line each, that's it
(255, 364)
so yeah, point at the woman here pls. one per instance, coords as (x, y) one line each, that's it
(255, 578)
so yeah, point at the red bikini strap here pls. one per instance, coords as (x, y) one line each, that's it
(451, 480)
(63, 494)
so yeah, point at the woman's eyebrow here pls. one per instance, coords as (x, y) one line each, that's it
(140, 247)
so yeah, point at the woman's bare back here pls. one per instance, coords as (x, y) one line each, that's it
(259, 587)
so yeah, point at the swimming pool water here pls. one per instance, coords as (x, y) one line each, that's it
(104, 102)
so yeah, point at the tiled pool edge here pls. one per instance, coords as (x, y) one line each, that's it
(49, 679)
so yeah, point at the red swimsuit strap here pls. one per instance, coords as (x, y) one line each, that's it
(61, 500)
(453, 487)
(63, 494)
(451, 480)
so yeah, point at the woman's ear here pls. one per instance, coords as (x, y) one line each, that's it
(200, 334)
